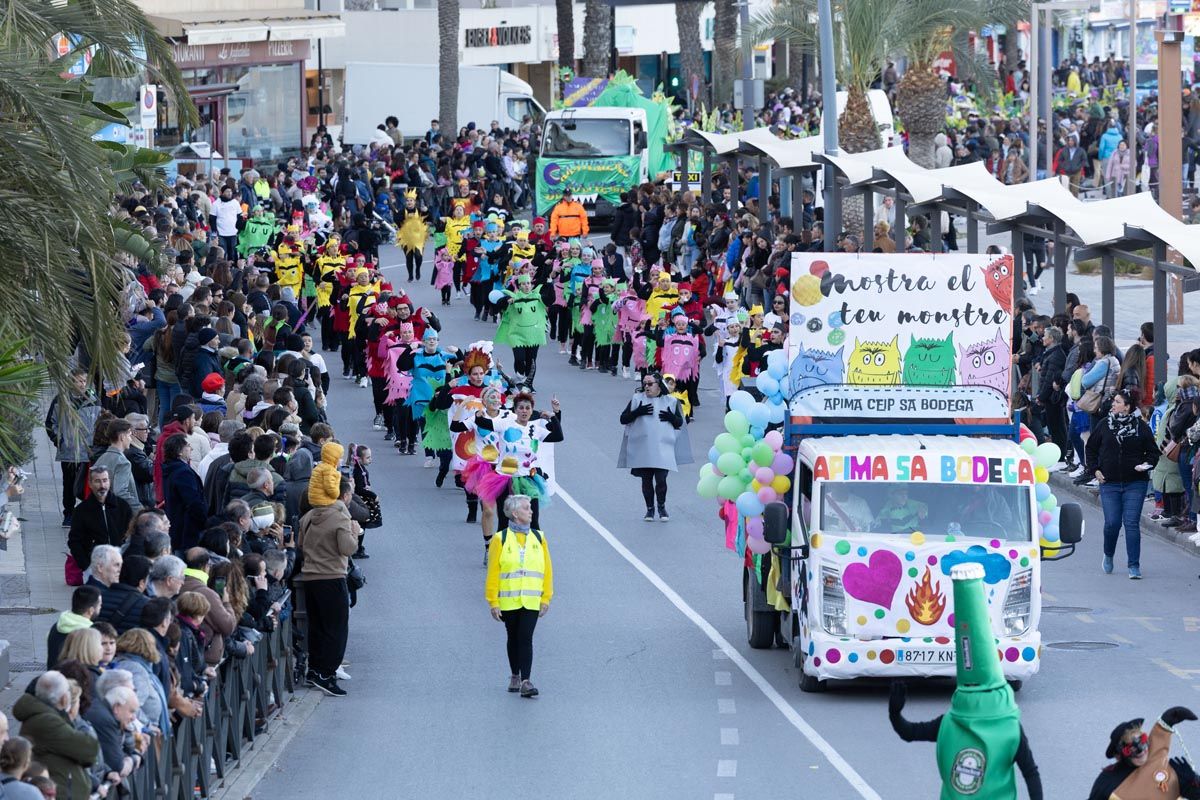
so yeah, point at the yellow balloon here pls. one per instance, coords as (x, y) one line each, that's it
(1050, 546)
(755, 485)
(1041, 475)
(781, 484)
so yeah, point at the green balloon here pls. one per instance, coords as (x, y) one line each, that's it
(707, 487)
(727, 443)
(763, 455)
(729, 488)
(748, 439)
(736, 423)
(730, 464)
(745, 476)
(747, 452)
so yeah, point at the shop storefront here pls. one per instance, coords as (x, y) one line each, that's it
(247, 82)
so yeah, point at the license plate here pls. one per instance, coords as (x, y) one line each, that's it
(924, 656)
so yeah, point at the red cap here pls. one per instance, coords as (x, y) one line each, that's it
(539, 220)
(684, 285)
(212, 383)
(385, 287)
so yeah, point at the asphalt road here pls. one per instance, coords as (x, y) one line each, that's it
(648, 688)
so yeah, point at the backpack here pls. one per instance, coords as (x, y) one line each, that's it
(1075, 386)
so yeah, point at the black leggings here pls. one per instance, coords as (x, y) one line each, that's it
(403, 424)
(525, 360)
(560, 323)
(379, 394)
(606, 356)
(459, 266)
(654, 486)
(585, 340)
(479, 299)
(520, 623)
(413, 259)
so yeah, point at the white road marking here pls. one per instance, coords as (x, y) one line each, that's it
(723, 678)
(856, 781)
(730, 736)
(727, 768)
(725, 705)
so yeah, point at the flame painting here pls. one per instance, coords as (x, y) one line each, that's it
(925, 601)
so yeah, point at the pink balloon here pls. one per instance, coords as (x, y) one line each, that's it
(1044, 517)
(754, 527)
(774, 438)
(764, 475)
(782, 465)
(767, 495)
(758, 546)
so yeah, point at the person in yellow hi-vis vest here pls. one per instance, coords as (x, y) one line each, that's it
(520, 583)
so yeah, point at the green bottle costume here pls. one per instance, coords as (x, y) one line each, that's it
(604, 318)
(523, 322)
(980, 738)
(256, 234)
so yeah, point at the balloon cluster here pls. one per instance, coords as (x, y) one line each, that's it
(773, 383)
(746, 465)
(1044, 456)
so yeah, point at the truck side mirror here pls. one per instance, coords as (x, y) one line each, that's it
(1070, 523)
(775, 522)
(639, 141)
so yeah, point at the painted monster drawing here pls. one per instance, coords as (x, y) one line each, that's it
(986, 363)
(998, 277)
(875, 363)
(812, 368)
(930, 362)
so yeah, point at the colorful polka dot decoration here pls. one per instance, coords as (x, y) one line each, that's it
(833, 655)
(932, 560)
(879, 613)
(887, 656)
(852, 658)
(912, 572)
(816, 661)
(917, 538)
(814, 541)
(842, 547)
(910, 555)
(861, 620)
(862, 551)
(902, 625)
(994, 543)
(1013, 554)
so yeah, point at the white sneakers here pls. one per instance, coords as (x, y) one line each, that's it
(342, 675)
(1075, 473)
(428, 462)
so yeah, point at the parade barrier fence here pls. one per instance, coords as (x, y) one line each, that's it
(241, 702)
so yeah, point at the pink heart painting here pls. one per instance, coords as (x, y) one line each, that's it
(876, 581)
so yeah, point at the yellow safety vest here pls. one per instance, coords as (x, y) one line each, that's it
(522, 571)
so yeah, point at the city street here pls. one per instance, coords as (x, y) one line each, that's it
(648, 687)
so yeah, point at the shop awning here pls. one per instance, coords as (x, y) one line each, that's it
(252, 25)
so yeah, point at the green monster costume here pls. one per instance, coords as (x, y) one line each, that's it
(604, 318)
(523, 321)
(981, 737)
(257, 233)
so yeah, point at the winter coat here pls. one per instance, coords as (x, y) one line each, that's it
(1052, 361)
(1165, 476)
(142, 466)
(190, 658)
(66, 752)
(168, 430)
(110, 733)
(93, 524)
(1116, 459)
(152, 696)
(296, 477)
(220, 621)
(186, 509)
(324, 486)
(327, 541)
(72, 439)
(1108, 143)
(204, 364)
(68, 622)
(122, 607)
(120, 473)
(624, 220)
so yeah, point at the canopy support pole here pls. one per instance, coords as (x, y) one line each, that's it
(868, 240)
(899, 231)
(935, 225)
(798, 205)
(973, 230)
(706, 177)
(682, 152)
(1108, 306)
(1161, 354)
(1017, 246)
(1060, 269)
(764, 189)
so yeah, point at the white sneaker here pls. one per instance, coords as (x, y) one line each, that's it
(428, 462)
(378, 423)
(1092, 483)
(1056, 467)
(342, 675)
(1034, 289)
(625, 372)
(1195, 538)
(562, 351)
(1075, 473)
(363, 383)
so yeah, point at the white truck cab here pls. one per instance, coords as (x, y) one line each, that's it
(596, 152)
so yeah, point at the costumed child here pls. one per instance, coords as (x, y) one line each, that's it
(540, 236)
(466, 399)
(411, 233)
(429, 367)
(455, 228)
(519, 466)
(631, 320)
(585, 297)
(679, 352)
(981, 737)
(559, 312)
(330, 261)
(476, 444)
(674, 391)
(654, 442)
(443, 278)
(604, 322)
(258, 232)
(1144, 769)
(399, 383)
(728, 359)
(288, 270)
(522, 327)
(663, 297)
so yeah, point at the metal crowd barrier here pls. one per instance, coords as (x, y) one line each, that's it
(241, 702)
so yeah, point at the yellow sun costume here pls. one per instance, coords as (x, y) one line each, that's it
(361, 297)
(329, 263)
(414, 231)
(288, 270)
(455, 228)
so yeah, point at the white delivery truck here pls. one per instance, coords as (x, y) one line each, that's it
(410, 93)
(597, 153)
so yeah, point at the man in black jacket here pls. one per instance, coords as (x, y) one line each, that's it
(102, 518)
(1052, 397)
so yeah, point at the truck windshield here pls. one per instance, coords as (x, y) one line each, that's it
(589, 138)
(990, 511)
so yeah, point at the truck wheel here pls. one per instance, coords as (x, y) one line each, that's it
(809, 683)
(760, 625)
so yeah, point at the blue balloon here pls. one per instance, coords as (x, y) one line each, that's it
(495, 296)
(1042, 491)
(759, 415)
(776, 413)
(759, 431)
(1049, 532)
(713, 454)
(748, 504)
(766, 384)
(778, 370)
(742, 401)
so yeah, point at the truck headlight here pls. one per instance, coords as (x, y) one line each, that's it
(833, 602)
(1018, 603)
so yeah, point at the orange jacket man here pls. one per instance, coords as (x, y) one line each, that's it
(569, 218)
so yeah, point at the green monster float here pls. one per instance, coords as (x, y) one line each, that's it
(981, 737)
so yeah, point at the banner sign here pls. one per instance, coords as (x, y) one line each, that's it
(901, 337)
(587, 178)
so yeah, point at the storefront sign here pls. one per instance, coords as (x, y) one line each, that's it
(590, 177)
(901, 337)
(234, 53)
(498, 36)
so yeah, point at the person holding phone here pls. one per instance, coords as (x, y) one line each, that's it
(1120, 453)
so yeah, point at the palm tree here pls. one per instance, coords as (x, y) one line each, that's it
(691, 54)
(921, 93)
(448, 67)
(564, 12)
(724, 56)
(60, 250)
(597, 38)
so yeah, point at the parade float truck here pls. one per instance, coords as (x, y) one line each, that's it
(597, 153)
(906, 463)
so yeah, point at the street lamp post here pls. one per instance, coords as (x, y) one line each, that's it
(829, 121)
